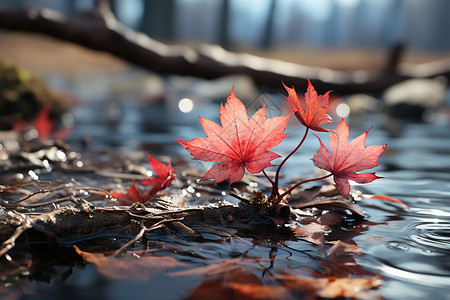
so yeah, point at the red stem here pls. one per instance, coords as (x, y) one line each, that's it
(277, 174)
(302, 182)
(268, 178)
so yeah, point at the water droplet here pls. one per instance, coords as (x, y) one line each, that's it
(397, 246)
(31, 134)
(33, 175)
(46, 165)
(60, 155)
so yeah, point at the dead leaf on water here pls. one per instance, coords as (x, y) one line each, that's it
(130, 265)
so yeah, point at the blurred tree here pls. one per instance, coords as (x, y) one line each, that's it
(268, 30)
(224, 35)
(157, 19)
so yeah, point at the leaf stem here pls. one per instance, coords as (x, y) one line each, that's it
(268, 178)
(302, 182)
(277, 174)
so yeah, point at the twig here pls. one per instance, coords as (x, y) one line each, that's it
(141, 233)
(11, 242)
(233, 194)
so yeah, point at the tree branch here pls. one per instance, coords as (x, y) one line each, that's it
(101, 31)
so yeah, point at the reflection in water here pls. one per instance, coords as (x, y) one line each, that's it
(410, 247)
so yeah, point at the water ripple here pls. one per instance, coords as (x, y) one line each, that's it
(435, 235)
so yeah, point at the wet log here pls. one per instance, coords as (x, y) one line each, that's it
(77, 223)
(101, 31)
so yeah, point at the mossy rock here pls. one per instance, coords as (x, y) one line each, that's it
(22, 96)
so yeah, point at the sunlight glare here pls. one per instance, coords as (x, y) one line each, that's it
(342, 110)
(186, 105)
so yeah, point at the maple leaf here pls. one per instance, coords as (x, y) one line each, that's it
(345, 160)
(42, 123)
(165, 175)
(314, 112)
(132, 195)
(240, 143)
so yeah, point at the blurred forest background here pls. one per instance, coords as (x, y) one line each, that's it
(348, 46)
(340, 34)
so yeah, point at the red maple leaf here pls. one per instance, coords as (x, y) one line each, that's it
(313, 112)
(347, 159)
(132, 195)
(239, 143)
(165, 175)
(42, 123)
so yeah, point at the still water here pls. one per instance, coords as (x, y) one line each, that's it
(410, 248)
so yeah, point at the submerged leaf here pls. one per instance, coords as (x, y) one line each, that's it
(313, 232)
(237, 283)
(332, 287)
(129, 265)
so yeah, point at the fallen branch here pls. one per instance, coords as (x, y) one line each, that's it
(101, 31)
(76, 222)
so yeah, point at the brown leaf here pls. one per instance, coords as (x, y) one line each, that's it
(350, 287)
(210, 269)
(331, 287)
(129, 265)
(313, 232)
(314, 198)
(237, 283)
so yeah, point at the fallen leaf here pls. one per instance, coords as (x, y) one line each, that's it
(314, 113)
(238, 283)
(129, 265)
(42, 123)
(331, 287)
(214, 268)
(239, 143)
(132, 195)
(165, 175)
(312, 232)
(313, 197)
(345, 160)
(384, 198)
(350, 287)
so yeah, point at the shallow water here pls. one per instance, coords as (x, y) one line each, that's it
(409, 247)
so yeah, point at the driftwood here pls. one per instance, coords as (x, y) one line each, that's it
(101, 31)
(83, 220)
